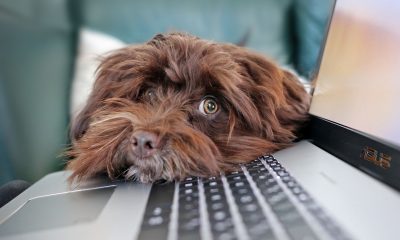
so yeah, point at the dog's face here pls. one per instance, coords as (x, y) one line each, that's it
(179, 106)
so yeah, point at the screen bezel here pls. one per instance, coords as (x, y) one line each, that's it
(352, 146)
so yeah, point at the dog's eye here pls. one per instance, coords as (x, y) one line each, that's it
(208, 106)
(148, 95)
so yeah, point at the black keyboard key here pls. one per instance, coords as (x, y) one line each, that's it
(215, 183)
(252, 218)
(249, 208)
(260, 230)
(234, 174)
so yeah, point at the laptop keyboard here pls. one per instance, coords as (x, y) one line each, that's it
(157, 215)
(259, 201)
(249, 208)
(188, 210)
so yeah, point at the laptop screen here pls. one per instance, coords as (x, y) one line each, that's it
(359, 77)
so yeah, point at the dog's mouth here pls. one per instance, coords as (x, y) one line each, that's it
(133, 173)
(145, 168)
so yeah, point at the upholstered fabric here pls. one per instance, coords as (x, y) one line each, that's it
(266, 22)
(35, 68)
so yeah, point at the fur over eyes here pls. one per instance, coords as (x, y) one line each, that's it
(158, 87)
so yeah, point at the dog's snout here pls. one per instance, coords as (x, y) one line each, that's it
(144, 144)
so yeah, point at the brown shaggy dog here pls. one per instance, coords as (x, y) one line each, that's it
(178, 106)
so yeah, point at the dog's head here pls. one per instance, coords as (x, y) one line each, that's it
(179, 106)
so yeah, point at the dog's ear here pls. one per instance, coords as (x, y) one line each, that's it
(157, 39)
(280, 98)
(293, 112)
(113, 79)
(80, 124)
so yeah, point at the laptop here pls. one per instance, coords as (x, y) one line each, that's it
(342, 182)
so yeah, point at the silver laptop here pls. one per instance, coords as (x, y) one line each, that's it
(341, 183)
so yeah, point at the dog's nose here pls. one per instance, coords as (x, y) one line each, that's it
(144, 144)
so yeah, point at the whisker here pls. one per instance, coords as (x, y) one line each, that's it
(112, 140)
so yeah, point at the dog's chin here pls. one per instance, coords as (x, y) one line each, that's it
(133, 173)
(145, 169)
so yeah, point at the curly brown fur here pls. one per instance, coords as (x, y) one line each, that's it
(157, 88)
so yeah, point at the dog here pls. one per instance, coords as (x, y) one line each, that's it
(181, 106)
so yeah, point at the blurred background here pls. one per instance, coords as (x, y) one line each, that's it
(42, 43)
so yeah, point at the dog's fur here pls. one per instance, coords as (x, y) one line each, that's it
(157, 87)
